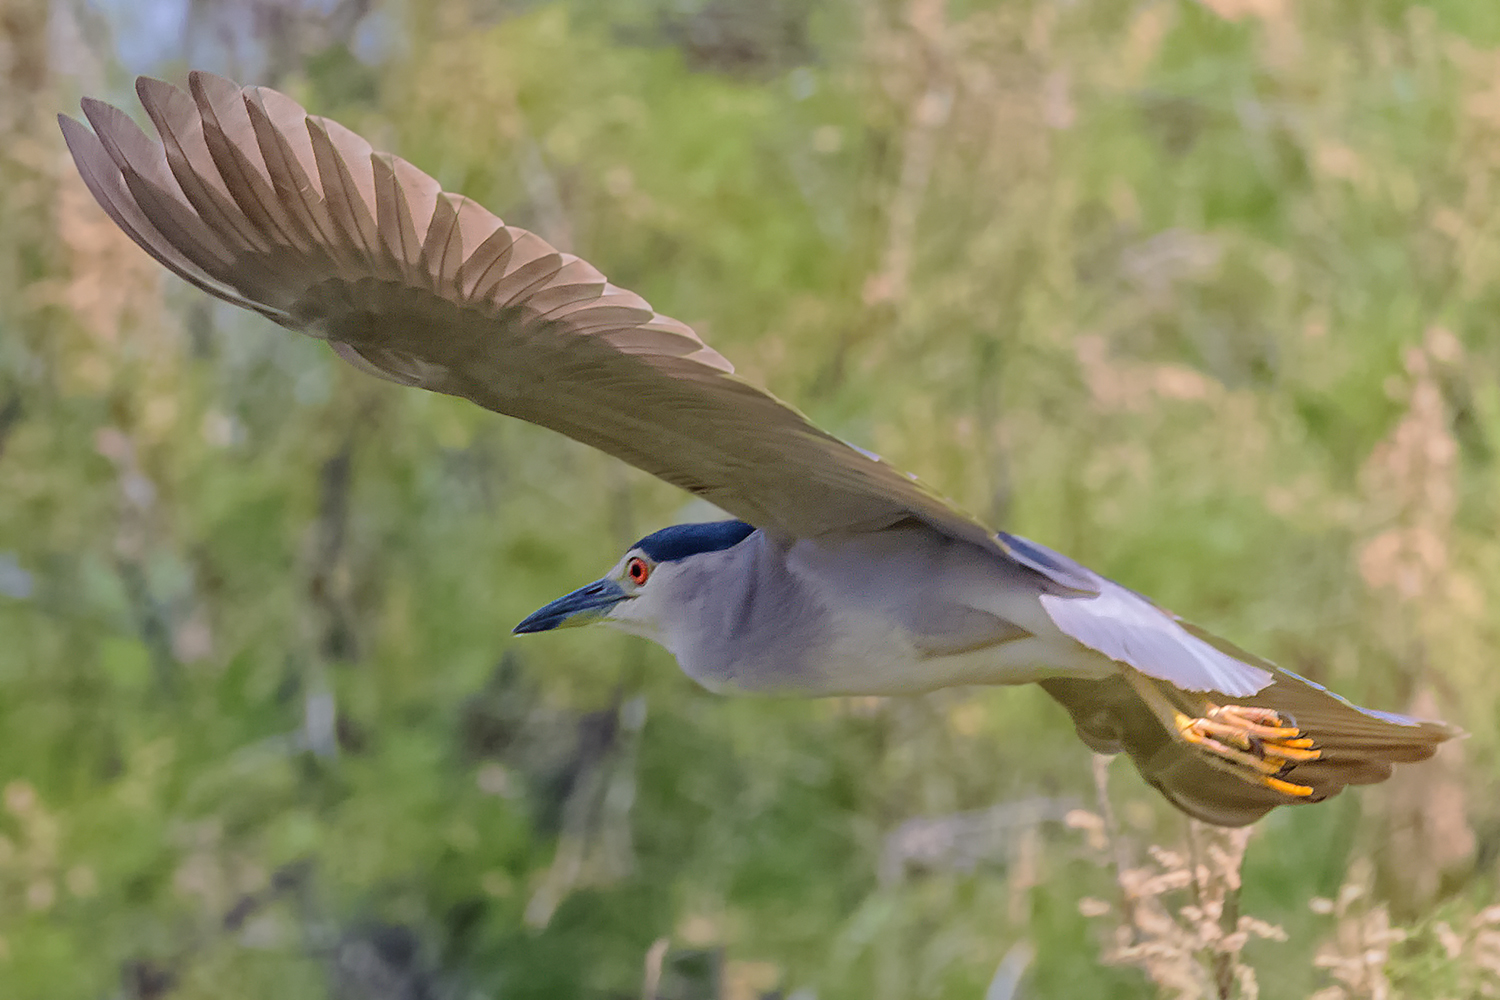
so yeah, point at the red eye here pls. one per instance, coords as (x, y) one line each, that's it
(638, 570)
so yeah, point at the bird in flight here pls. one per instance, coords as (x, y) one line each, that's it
(838, 574)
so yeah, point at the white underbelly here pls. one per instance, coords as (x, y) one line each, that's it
(894, 667)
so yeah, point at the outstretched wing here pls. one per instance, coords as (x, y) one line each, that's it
(297, 218)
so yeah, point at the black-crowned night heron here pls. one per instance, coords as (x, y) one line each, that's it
(842, 574)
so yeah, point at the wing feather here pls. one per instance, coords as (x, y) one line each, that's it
(419, 191)
(1132, 630)
(181, 128)
(348, 197)
(277, 127)
(392, 217)
(143, 166)
(231, 137)
(491, 256)
(443, 245)
(254, 201)
(105, 182)
(531, 265)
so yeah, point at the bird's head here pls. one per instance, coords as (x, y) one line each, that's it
(644, 589)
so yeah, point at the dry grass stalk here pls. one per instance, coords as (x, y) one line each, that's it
(1411, 481)
(1411, 478)
(1474, 949)
(1357, 953)
(927, 24)
(1178, 919)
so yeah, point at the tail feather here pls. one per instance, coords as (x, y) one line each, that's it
(1358, 746)
(1346, 728)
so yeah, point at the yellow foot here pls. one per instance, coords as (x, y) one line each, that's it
(1255, 744)
(1287, 787)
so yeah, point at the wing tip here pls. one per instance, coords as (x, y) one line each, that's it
(73, 130)
(148, 88)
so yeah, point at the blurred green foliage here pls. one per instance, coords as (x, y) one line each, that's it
(1203, 294)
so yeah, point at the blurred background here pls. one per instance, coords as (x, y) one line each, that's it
(1201, 293)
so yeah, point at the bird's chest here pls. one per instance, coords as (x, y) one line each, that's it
(865, 654)
(822, 654)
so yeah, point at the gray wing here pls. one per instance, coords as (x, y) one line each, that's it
(1133, 630)
(297, 218)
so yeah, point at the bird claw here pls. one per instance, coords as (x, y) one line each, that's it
(1256, 744)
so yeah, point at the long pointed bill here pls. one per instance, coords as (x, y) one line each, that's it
(582, 606)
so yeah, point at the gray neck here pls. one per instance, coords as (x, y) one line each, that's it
(753, 624)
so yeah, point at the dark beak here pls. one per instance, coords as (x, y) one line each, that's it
(582, 606)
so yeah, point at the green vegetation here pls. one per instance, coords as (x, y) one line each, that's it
(1204, 295)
